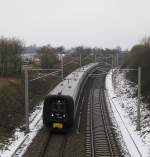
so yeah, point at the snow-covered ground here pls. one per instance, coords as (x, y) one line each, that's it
(20, 137)
(121, 94)
(22, 140)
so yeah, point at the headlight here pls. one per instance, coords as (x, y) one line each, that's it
(64, 116)
(52, 115)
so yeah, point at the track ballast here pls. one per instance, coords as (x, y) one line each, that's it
(100, 140)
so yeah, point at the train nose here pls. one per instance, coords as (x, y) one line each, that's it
(60, 115)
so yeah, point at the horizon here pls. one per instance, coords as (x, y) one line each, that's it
(68, 23)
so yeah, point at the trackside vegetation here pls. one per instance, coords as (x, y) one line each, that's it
(12, 106)
(48, 58)
(140, 56)
(10, 56)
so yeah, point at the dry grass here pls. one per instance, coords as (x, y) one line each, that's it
(8, 81)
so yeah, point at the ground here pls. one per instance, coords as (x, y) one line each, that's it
(122, 95)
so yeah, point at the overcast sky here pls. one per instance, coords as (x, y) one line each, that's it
(95, 23)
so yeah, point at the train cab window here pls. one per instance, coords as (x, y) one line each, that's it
(59, 106)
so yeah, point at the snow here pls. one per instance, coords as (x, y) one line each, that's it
(24, 140)
(121, 95)
(20, 137)
(72, 82)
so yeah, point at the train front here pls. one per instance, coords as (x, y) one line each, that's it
(58, 112)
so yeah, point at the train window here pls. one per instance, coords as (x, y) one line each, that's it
(59, 106)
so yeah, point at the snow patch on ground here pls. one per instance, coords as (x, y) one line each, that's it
(123, 100)
(121, 95)
(20, 138)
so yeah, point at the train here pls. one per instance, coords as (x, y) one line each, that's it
(60, 105)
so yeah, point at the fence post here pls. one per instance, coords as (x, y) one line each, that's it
(26, 101)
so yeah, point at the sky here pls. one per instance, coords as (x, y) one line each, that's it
(93, 23)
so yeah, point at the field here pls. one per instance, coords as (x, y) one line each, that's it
(12, 106)
(12, 102)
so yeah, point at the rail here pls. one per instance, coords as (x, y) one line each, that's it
(104, 121)
(100, 140)
(111, 102)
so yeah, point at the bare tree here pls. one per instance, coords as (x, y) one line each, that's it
(146, 41)
(10, 56)
(47, 56)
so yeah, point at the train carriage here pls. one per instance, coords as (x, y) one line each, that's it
(60, 106)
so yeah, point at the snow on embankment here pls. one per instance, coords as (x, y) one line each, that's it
(124, 107)
(69, 86)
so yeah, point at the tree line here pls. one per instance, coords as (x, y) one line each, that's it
(11, 50)
(10, 56)
(139, 56)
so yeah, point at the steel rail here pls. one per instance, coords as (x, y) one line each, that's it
(91, 124)
(18, 150)
(60, 152)
(95, 129)
(80, 112)
(63, 147)
(111, 102)
(43, 152)
(101, 101)
(15, 153)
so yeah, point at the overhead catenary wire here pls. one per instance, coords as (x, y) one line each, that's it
(71, 62)
(44, 69)
(50, 74)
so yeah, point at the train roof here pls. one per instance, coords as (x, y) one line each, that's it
(69, 86)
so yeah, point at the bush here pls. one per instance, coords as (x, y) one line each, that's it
(10, 56)
(47, 57)
(140, 56)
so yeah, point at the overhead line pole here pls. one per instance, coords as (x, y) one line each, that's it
(95, 58)
(80, 60)
(62, 68)
(26, 101)
(138, 120)
(139, 100)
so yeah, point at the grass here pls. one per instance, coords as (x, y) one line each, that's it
(12, 101)
(4, 135)
(8, 81)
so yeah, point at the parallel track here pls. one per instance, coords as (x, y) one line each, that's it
(99, 134)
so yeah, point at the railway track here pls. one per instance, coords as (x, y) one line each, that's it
(54, 146)
(100, 140)
(18, 151)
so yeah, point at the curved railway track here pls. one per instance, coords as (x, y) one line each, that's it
(100, 140)
(54, 146)
(94, 136)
